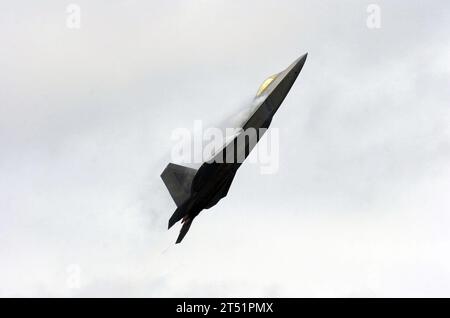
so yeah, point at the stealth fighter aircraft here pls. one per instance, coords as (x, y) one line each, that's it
(195, 190)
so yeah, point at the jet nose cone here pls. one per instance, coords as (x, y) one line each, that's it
(295, 68)
(305, 56)
(300, 62)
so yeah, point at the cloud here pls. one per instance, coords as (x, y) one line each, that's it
(359, 205)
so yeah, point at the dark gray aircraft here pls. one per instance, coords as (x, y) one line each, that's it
(195, 190)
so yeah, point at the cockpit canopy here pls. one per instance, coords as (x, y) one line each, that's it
(265, 85)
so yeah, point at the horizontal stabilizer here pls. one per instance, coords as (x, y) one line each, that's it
(179, 213)
(184, 230)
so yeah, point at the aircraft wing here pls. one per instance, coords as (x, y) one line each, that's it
(178, 180)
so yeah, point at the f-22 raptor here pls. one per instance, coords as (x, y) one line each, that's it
(195, 190)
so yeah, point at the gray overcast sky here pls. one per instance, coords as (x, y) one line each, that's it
(360, 205)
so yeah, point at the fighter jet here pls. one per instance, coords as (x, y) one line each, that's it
(195, 190)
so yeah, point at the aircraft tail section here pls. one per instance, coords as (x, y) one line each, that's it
(186, 225)
(179, 213)
(178, 180)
